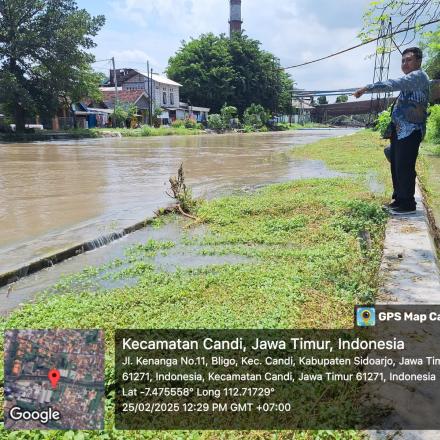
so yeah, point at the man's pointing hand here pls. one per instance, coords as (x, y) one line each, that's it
(358, 93)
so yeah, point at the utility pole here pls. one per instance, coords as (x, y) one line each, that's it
(151, 100)
(381, 67)
(149, 93)
(115, 80)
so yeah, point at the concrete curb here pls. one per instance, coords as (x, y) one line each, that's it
(409, 269)
(410, 275)
(50, 260)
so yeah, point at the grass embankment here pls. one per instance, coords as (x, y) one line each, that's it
(307, 269)
(148, 131)
(145, 131)
(182, 131)
(47, 135)
(287, 126)
(429, 175)
(82, 133)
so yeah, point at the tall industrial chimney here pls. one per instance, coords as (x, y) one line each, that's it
(235, 20)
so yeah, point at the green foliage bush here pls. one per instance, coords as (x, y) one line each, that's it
(190, 123)
(382, 122)
(255, 116)
(433, 126)
(146, 130)
(215, 122)
(227, 113)
(178, 123)
(121, 115)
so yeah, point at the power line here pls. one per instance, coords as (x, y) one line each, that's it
(101, 61)
(371, 40)
(299, 92)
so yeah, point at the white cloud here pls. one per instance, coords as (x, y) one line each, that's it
(188, 17)
(133, 55)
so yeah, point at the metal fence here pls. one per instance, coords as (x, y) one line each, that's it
(66, 123)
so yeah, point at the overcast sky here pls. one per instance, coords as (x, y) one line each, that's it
(293, 30)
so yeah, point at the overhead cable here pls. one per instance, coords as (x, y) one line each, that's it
(371, 40)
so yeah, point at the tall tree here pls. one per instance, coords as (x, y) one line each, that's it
(215, 69)
(258, 77)
(204, 68)
(43, 55)
(431, 46)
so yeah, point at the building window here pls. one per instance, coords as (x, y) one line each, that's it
(164, 97)
(172, 98)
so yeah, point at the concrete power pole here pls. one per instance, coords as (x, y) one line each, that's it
(115, 80)
(235, 21)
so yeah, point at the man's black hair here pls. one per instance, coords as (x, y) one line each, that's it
(415, 50)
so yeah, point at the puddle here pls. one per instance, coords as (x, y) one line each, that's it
(167, 259)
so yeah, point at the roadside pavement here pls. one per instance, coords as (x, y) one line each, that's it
(410, 275)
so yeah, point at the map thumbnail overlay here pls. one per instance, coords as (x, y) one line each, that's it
(54, 379)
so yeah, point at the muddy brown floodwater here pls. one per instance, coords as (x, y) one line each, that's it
(57, 194)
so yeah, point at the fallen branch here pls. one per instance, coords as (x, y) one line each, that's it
(174, 209)
(185, 213)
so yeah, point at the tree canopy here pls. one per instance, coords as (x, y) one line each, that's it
(215, 69)
(431, 46)
(43, 55)
(405, 16)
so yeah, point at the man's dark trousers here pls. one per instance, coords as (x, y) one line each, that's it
(404, 154)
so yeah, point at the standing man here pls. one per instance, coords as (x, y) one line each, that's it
(409, 126)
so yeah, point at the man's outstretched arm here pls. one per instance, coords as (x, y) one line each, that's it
(413, 81)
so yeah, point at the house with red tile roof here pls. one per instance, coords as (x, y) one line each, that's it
(165, 94)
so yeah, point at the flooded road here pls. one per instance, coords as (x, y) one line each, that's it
(58, 194)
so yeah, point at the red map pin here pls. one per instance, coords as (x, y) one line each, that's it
(54, 377)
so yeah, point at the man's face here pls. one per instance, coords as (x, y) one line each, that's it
(410, 63)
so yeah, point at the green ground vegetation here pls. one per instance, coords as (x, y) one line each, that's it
(82, 133)
(429, 165)
(147, 131)
(287, 126)
(428, 171)
(307, 265)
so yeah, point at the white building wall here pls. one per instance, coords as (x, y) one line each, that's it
(141, 82)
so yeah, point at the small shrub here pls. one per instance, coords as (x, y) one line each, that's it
(215, 122)
(227, 113)
(433, 125)
(178, 123)
(255, 115)
(249, 129)
(146, 131)
(382, 122)
(190, 123)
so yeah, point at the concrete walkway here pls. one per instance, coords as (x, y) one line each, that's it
(409, 270)
(410, 275)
